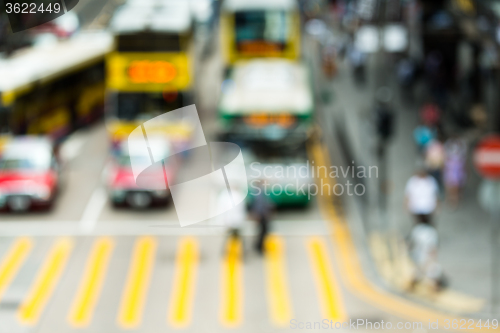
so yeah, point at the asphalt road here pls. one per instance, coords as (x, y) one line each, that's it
(87, 264)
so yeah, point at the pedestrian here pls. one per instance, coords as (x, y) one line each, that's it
(235, 217)
(454, 168)
(421, 195)
(434, 160)
(422, 136)
(406, 73)
(436, 77)
(261, 209)
(328, 56)
(423, 248)
(430, 115)
(358, 60)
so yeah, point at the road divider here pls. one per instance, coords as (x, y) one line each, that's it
(93, 210)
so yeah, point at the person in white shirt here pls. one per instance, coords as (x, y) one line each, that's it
(421, 195)
(234, 218)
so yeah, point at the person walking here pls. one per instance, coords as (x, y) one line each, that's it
(261, 209)
(430, 115)
(234, 218)
(421, 196)
(434, 161)
(454, 169)
(423, 248)
(423, 135)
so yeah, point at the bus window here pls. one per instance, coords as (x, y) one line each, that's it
(4, 120)
(263, 26)
(149, 43)
(144, 106)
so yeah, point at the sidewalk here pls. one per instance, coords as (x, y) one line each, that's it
(465, 242)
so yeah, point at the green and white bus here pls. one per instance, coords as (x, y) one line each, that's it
(266, 107)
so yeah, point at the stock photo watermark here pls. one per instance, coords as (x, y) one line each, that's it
(355, 324)
(222, 163)
(26, 14)
(299, 179)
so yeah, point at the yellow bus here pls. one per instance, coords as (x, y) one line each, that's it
(150, 70)
(54, 89)
(260, 28)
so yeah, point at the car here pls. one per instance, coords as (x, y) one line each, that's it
(153, 188)
(29, 174)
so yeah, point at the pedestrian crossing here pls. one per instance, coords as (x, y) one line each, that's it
(127, 279)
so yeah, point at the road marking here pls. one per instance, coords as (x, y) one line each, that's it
(13, 261)
(153, 227)
(46, 281)
(326, 282)
(91, 283)
(93, 210)
(350, 268)
(72, 146)
(231, 311)
(134, 294)
(186, 267)
(277, 284)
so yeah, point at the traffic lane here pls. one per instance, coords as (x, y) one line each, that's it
(80, 175)
(193, 166)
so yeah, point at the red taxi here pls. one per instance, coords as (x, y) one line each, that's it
(152, 188)
(29, 174)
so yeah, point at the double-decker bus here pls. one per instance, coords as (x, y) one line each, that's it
(260, 28)
(267, 108)
(150, 70)
(54, 89)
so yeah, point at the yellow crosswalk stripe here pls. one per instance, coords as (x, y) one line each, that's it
(134, 294)
(13, 261)
(326, 283)
(90, 286)
(186, 266)
(231, 311)
(277, 284)
(46, 281)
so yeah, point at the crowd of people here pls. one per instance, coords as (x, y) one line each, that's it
(440, 177)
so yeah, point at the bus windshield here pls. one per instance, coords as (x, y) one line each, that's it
(279, 152)
(149, 42)
(144, 106)
(259, 25)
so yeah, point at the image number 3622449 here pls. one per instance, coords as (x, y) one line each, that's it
(26, 14)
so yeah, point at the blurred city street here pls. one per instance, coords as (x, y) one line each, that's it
(94, 251)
